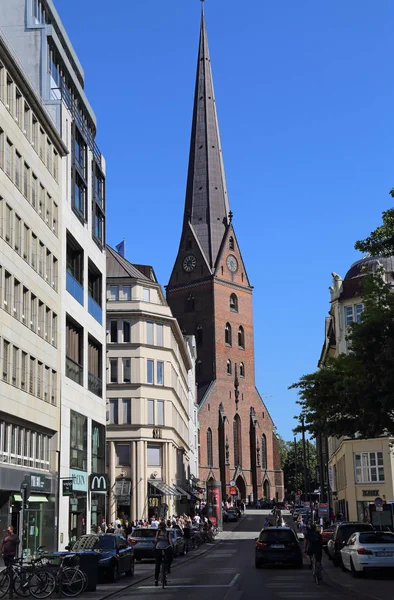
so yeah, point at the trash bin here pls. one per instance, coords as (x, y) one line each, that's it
(88, 563)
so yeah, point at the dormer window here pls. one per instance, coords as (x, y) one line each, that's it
(231, 243)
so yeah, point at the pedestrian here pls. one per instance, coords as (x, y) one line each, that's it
(154, 522)
(120, 530)
(111, 528)
(9, 546)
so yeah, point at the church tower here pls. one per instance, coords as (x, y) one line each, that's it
(210, 294)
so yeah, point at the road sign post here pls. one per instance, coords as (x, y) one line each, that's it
(25, 491)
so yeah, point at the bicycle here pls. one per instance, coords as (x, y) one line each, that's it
(316, 570)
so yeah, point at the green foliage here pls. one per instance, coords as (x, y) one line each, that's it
(292, 484)
(381, 240)
(354, 393)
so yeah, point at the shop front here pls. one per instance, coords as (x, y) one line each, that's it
(122, 497)
(78, 504)
(98, 488)
(159, 495)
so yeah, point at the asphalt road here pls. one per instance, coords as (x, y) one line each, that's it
(227, 572)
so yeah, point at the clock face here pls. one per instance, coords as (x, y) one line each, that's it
(189, 262)
(232, 263)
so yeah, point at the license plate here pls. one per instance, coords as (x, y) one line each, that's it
(277, 546)
(384, 554)
(145, 544)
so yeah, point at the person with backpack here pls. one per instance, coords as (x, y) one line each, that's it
(163, 541)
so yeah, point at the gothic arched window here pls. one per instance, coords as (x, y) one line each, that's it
(241, 337)
(227, 334)
(237, 441)
(263, 451)
(231, 243)
(199, 334)
(241, 370)
(209, 448)
(189, 303)
(233, 303)
(229, 369)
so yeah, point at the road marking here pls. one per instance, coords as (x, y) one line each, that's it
(152, 587)
(234, 579)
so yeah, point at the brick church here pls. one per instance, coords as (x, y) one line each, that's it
(210, 294)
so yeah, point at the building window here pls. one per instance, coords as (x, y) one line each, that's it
(126, 411)
(369, 467)
(241, 369)
(80, 153)
(231, 243)
(353, 313)
(74, 351)
(237, 441)
(78, 441)
(149, 332)
(160, 412)
(153, 455)
(99, 187)
(113, 370)
(229, 370)
(126, 370)
(159, 334)
(160, 372)
(113, 328)
(6, 359)
(79, 197)
(98, 224)
(113, 411)
(209, 448)
(95, 280)
(146, 294)
(241, 337)
(113, 293)
(18, 170)
(98, 448)
(149, 371)
(127, 292)
(8, 158)
(228, 335)
(75, 259)
(122, 452)
(151, 412)
(264, 462)
(233, 303)
(95, 352)
(189, 303)
(126, 332)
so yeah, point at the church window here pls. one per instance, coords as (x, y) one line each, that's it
(189, 303)
(189, 243)
(231, 243)
(227, 335)
(229, 369)
(199, 335)
(263, 451)
(241, 337)
(234, 303)
(241, 369)
(209, 448)
(237, 441)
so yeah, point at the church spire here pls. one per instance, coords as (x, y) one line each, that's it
(206, 204)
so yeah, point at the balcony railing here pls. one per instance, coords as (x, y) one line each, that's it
(74, 288)
(74, 371)
(95, 384)
(95, 310)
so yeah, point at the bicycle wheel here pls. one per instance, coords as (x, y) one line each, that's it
(21, 582)
(42, 583)
(5, 582)
(72, 582)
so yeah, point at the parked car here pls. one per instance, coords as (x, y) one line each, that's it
(230, 515)
(116, 556)
(327, 535)
(341, 534)
(178, 541)
(142, 540)
(368, 550)
(278, 545)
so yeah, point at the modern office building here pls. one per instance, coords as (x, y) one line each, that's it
(61, 173)
(150, 395)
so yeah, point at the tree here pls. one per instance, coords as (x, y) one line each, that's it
(293, 483)
(354, 393)
(381, 240)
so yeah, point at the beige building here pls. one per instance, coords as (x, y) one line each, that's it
(148, 360)
(359, 470)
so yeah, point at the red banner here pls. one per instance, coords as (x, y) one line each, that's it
(233, 490)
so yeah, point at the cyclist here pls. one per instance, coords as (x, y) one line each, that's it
(163, 541)
(313, 545)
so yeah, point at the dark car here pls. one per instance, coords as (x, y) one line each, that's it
(116, 556)
(230, 515)
(278, 545)
(341, 534)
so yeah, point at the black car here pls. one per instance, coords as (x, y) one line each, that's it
(230, 515)
(116, 556)
(342, 533)
(278, 545)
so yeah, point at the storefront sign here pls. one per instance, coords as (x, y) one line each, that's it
(331, 478)
(67, 487)
(373, 493)
(98, 483)
(37, 482)
(80, 480)
(323, 509)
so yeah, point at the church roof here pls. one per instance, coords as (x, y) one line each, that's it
(118, 266)
(206, 203)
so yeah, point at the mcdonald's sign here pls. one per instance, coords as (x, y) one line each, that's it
(98, 483)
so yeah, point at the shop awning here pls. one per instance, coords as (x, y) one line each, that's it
(195, 494)
(164, 488)
(18, 498)
(181, 491)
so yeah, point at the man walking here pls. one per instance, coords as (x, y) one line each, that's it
(9, 546)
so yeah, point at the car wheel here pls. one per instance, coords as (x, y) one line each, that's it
(130, 572)
(355, 573)
(115, 573)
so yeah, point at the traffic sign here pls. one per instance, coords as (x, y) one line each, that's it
(232, 482)
(233, 490)
(378, 502)
(25, 489)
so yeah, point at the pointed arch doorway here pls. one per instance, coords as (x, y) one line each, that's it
(240, 483)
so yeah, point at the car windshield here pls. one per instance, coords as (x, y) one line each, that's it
(346, 531)
(276, 536)
(376, 537)
(231, 510)
(106, 542)
(144, 533)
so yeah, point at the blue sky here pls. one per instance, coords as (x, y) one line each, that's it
(305, 97)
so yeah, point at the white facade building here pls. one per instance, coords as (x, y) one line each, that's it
(75, 182)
